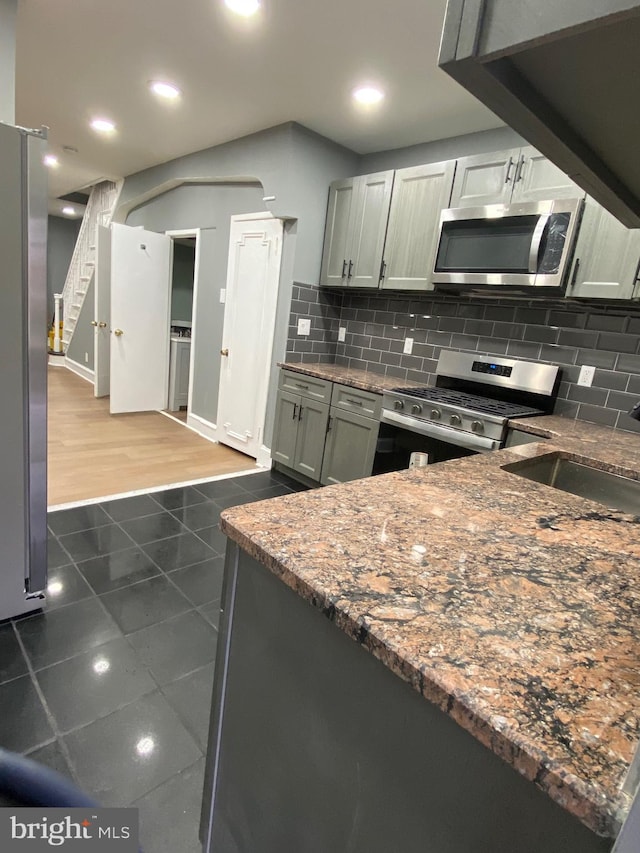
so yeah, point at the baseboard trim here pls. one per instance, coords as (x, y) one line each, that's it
(203, 427)
(80, 370)
(263, 459)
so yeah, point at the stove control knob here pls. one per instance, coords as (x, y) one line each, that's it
(477, 426)
(435, 414)
(398, 405)
(416, 409)
(455, 420)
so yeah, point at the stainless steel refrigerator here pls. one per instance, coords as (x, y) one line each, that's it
(23, 371)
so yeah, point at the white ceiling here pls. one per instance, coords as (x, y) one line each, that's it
(295, 61)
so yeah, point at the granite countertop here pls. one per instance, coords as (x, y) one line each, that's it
(521, 618)
(365, 380)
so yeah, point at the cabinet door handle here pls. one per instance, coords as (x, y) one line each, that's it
(302, 385)
(576, 266)
(509, 168)
(519, 170)
(295, 411)
(350, 269)
(329, 423)
(300, 412)
(383, 270)
(344, 268)
(354, 402)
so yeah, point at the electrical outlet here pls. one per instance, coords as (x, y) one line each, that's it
(223, 294)
(408, 346)
(586, 375)
(342, 334)
(304, 327)
(86, 358)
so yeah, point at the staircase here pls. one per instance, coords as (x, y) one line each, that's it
(100, 208)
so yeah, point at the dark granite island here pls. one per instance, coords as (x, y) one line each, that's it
(476, 694)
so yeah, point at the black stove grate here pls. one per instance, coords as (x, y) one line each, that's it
(472, 402)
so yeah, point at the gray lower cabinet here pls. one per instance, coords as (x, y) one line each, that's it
(607, 257)
(328, 440)
(299, 433)
(350, 447)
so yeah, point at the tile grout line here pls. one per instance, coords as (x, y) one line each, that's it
(49, 714)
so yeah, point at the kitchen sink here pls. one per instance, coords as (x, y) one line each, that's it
(557, 471)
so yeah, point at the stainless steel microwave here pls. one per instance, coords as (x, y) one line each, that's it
(518, 246)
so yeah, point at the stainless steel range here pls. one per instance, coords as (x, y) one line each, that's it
(468, 408)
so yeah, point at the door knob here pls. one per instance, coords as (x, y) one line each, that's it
(94, 322)
(118, 332)
(224, 352)
(102, 325)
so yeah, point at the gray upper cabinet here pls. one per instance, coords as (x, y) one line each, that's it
(419, 195)
(484, 179)
(606, 259)
(504, 177)
(537, 179)
(357, 216)
(370, 217)
(336, 237)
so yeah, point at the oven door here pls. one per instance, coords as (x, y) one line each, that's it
(524, 245)
(400, 436)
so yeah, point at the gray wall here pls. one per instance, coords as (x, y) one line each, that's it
(61, 241)
(482, 142)
(81, 349)
(182, 282)
(208, 207)
(289, 162)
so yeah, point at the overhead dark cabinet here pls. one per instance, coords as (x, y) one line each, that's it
(565, 76)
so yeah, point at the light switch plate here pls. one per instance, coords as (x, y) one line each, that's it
(586, 375)
(342, 334)
(304, 327)
(408, 346)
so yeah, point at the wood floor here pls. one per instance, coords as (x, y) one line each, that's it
(93, 454)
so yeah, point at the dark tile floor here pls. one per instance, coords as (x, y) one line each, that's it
(112, 684)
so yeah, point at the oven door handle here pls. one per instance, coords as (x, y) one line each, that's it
(468, 440)
(536, 240)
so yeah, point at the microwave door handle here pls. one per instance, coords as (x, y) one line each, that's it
(536, 240)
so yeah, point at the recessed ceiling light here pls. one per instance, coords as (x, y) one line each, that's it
(51, 161)
(246, 8)
(69, 211)
(164, 90)
(368, 95)
(103, 125)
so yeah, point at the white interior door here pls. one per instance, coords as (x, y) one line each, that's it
(102, 310)
(255, 250)
(140, 302)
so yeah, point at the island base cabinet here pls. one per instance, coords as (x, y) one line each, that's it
(315, 746)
